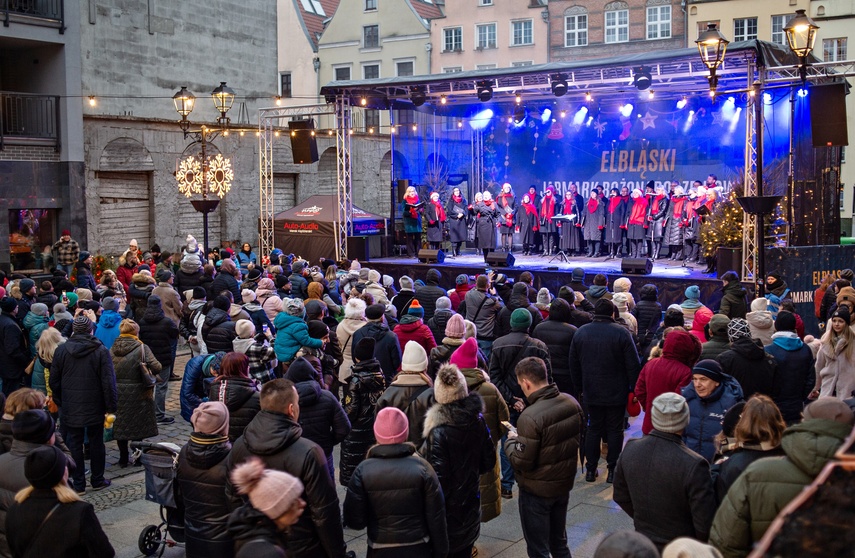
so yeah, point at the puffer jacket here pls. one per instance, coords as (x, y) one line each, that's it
(495, 411)
(138, 292)
(762, 326)
(254, 532)
(796, 374)
(397, 496)
(82, 381)
(170, 300)
(387, 350)
(14, 356)
(240, 395)
(517, 300)
(483, 313)
(321, 416)
(135, 416)
(159, 332)
(270, 302)
(427, 296)
(459, 448)
(218, 331)
(733, 301)
(647, 311)
(411, 394)
(706, 414)
(835, 371)
(84, 277)
(402, 300)
(278, 441)
(292, 333)
(717, 344)
(751, 366)
(12, 480)
(724, 473)
(507, 352)
(438, 322)
(768, 485)
(544, 453)
(225, 282)
(194, 385)
(185, 281)
(365, 387)
(35, 325)
(201, 476)
(414, 329)
(440, 355)
(557, 336)
(107, 330)
(669, 373)
(344, 331)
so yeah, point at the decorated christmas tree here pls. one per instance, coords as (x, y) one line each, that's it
(723, 227)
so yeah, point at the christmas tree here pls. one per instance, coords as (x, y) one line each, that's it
(723, 227)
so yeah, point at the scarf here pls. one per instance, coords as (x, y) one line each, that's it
(614, 203)
(488, 203)
(677, 210)
(656, 203)
(547, 207)
(568, 206)
(592, 205)
(530, 209)
(639, 211)
(440, 211)
(130, 336)
(412, 200)
(506, 199)
(457, 199)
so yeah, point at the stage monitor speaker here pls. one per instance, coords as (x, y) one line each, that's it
(828, 115)
(403, 184)
(357, 248)
(636, 266)
(501, 259)
(431, 256)
(304, 148)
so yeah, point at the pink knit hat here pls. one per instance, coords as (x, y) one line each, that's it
(455, 327)
(466, 355)
(391, 426)
(211, 417)
(271, 492)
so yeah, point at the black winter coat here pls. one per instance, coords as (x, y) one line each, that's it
(201, 477)
(725, 473)
(427, 296)
(733, 302)
(135, 415)
(225, 282)
(159, 332)
(557, 336)
(438, 322)
(413, 396)
(459, 448)
(138, 292)
(387, 350)
(82, 381)
(647, 312)
(186, 281)
(14, 356)
(503, 322)
(240, 395)
(85, 279)
(604, 362)
(218, 331)
(254, 533)
(278, 441)
(365, 387)
(795, 378)
(507, 352)
(751, 366)
(402, 300)
(441, 354)
(12, 479)
(397, 496)
(321, 416)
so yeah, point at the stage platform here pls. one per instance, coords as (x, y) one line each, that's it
(671, 278)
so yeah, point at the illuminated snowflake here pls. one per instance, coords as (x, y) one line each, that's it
(189, 176)
(220, 175)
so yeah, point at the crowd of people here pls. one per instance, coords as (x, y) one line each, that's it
(661, 221)
(443, 401)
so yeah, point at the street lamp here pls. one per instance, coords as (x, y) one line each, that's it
(801, 36)
(712, 45)
(204, 175)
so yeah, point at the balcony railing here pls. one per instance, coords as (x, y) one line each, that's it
(36, 12)
(34, 118)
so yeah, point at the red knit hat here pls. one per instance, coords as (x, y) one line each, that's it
(466, 355)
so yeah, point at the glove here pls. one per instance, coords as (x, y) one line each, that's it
(431, 222)
(623, 227)
(601, 227)
(579, 225)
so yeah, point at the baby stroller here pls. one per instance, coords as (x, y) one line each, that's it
(160, 461)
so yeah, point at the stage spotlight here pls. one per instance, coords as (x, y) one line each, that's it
(626, 110)
(417, 95)
(559, 84)
(803, 92)
(580, 115)
(563, 113)
(442, 100)
(519, 114)
(734, 121)
(767, 98)
(682, 103)
(641, 77)
(588, 123)
(484, 90)
(546, 115)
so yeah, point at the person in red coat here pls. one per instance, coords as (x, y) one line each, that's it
(461, 287)
(411, 327)
(670, 372)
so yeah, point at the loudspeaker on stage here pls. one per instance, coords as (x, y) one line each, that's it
(500, 259)
(636, 266)
(431, 256)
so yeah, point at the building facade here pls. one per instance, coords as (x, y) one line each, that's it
(300, 26)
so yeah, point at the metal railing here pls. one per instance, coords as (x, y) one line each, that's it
(51, 10)
(28, 116)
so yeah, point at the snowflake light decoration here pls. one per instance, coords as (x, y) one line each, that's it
(189, 176)
(220, 175)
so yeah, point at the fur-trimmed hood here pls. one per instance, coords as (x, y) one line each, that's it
(462, 412)
(141, 279)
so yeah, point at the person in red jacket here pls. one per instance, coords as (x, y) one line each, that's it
(411, 327)
(670, 372)
(461, 287)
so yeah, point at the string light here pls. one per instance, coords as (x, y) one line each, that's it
(443, 100)
(276, 133)
(363, 101)
(519, 98)
(650, 94)
(329, 132)
(371, 130)
(415, 127)
(588, 96)
(91, 100)
(278, 100)
(563, 113)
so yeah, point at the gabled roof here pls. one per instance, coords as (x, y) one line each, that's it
(426, 10)
(313, 22)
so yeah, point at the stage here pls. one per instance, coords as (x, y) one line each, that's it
(670, 277)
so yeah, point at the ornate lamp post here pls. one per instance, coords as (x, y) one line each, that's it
(712, 45)
(801, 36)
(204, 175)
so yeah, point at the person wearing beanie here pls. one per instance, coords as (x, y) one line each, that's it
(365, 386)
(140, 288)
(46, 518)
(623, 285)
(626, 544)
(455, 426)
(201, 465)
(396, 494)
(648, 315)
(835, 359)
(265, 295)
(665, 487)
(292, 333)
(440, 318)
(455, 330)
(462, 285)
(760, 321)
(170, 300)
(387, 343)
(685, 547)
(160, 334)
(482, 308)
(795, 377)
(234, 387)
(299, 283)
(747, 362)
(136, 411)
(606, 375)
(544, 297)
(247, 259)
(411, 390)
(14, 356)
(430, 292)
(411, 327)
(256, 311)
(599, 290)
(401, 301)
(83, 385)
(354, 319)
(190, 273)
(768, 485)
(84, 273)
(542, 451)
(733, 298)
(710, 395)
(517, 299)
(691, 304)
(577, 280)
(199, 373)
(375, 287)
(625, 318)
(717, 333)
(557, 332)
(35, 322)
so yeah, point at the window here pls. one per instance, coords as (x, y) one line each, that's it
(745, 29)
(370, 5)
(522, 32)
(521, 64)
(404, 68)
(452, 69)
(485, 67)
(452, 39)
(372, 119)
(285, 85)
(576, 30)
(313, 7)
(342, 73)
(31, 234)
(485, 36)
(658, 22)
(371, 36)
(834, 50)
(371, 71)
(617, 26)
(485, 2)
(778, 23)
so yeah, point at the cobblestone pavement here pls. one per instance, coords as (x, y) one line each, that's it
(124, 512)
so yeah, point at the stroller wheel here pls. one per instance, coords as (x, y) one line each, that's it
(150, 540)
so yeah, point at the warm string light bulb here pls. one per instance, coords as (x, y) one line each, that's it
(91, 100)
(519, 98)
(278, 100)
(443, 100)
(588, 97)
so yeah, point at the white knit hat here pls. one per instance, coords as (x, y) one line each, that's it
(415, 358)
(244, 329)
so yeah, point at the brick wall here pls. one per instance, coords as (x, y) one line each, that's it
(28, 153)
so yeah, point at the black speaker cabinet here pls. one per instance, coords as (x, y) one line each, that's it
(357, 248)
(501, 259)
(828, 115)
(403, 184)
(304, 148)
(431, 256)
(636, 266)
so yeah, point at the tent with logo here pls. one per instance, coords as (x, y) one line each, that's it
(308, 229)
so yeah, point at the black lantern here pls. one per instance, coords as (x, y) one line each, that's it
(712, 46)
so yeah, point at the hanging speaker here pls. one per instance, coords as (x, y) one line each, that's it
(403, 184)
(828, 115)
(304, 148)
(636, 266)
(431, 256)
(500, 259)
